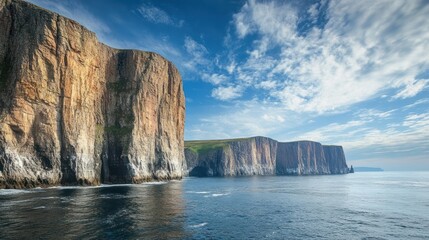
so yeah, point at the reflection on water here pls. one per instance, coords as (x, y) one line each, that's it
(116, 212)
(355, 206)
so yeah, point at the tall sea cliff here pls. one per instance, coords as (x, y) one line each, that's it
(75, 111)
(262, 156)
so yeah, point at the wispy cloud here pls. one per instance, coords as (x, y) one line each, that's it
(156, 15)
(411, 134)
(416, 103)
(244, 119)
(197, 53)
(227, 93)
(214, 78)
(357, 51)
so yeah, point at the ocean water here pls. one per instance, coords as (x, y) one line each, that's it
(379, 205)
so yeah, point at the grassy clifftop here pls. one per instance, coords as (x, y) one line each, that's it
(203, 146)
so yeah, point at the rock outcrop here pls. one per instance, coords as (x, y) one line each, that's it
(253, 156)
(336, 159)
(301, 158)
(75, 111)
(262, 156)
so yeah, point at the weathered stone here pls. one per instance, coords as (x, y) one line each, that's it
(75, 111)
(301, 158)
(336, 159)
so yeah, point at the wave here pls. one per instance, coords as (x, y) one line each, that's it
(16, 191)
(154, 183)
(196, 192)
(217, 195)
(40, 207)
(198, 225)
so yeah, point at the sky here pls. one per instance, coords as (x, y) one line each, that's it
(350, 73)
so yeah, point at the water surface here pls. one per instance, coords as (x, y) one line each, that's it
(381, 205)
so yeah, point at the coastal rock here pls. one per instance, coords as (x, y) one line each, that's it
(336, 159)
(301, 158)
(252, 156)
(75, 111)
(262, 156)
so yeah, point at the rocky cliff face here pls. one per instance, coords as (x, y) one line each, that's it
(336, 159)
(75, 111)
(301, 158)
(262, 156)
(252, 156)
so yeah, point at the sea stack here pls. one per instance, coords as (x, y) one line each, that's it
(75, 111)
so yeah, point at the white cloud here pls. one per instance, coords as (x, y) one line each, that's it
(373, 114)
(364, 49)
(194, 48)
(268, 84)
(214, 78)
(332, 132)
(411, 135)
(227, 93)
(242, 119)
(273, 118)
(416, 103)
(197, 52)
(411, 88)
(313, 10)
(231, 67)
(157, 15)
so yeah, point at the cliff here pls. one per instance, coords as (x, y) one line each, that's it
(336, 159)
(301, 158)
(252, 156)
(262, 156)
(75, 111)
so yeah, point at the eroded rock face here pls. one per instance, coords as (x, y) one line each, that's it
(262, 156)
(75, 111)
(252, 156)
(301, 158)
(336, 159)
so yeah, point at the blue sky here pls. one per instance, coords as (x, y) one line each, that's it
(353, 73)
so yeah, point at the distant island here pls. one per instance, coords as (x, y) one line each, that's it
(368, 169)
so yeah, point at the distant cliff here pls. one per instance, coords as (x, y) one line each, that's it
(262, 156)
(75, 111)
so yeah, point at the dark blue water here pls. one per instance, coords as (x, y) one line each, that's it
(378, 205)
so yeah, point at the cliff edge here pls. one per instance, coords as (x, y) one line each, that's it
(75, 111)
(262, 156)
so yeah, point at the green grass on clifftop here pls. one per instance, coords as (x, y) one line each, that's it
(204, 146)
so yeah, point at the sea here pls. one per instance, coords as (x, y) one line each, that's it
(375, 205)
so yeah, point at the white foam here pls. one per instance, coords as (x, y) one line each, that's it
(40, 207)
(199, 225)
(217, 195)
(154, 183)
(198, 192)
(14, 191)
(90, 187)
(44, 198)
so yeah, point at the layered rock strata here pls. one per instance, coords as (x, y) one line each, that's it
(75, 111)
(262, 156)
